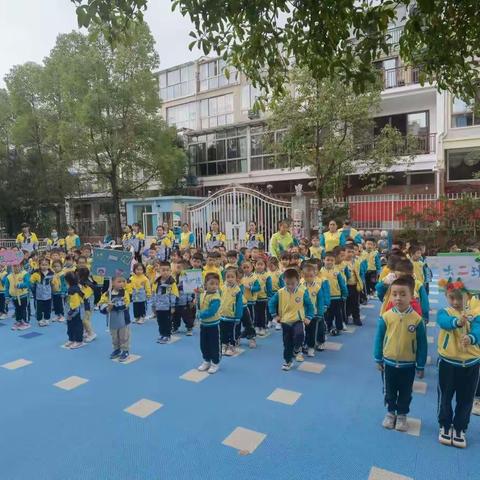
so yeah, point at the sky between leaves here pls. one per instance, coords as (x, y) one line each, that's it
(28, 29)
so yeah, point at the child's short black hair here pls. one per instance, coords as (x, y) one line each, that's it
(371, 239)
(213, 255)
(232, 253)
(212, 276)
(139, 264)
(231, 269)
(414, 248)
(406, 281)
(273, 261)
(197, 256)
(307, 264)
(338, 250)
(285, 256)
(349, 246)
(164, 264)
(405, 266)
(71, 278)
(329, 254)
(291, 273)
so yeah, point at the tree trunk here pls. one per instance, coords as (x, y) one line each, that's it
(117, 227)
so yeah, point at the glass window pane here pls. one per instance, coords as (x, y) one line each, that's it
(201, 156)
(232, 166)
(211, 152)
(212, 69)
(256, 163)
(256, 144)
(221, 120)
(213, 83)
(212, 106)
(417, 123)
(459, 106)
(212, 122)
(204, 108)
(211, 169)
(221, 104)
(229, 118)
(203, 169)
(246, 97)
(203, 85)
(229, 103)
(163, 80)
(243, 165)
(242, 144)
(203, 71)
(220, 144)
(173, 77)
(221, 168)
(232, 148)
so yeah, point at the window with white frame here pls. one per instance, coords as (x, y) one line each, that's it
(263, 154)
(212, 75)
(463, 114)
(249, 96)
(463, 164)
(216, 111)
(183, 116)
(177, 83)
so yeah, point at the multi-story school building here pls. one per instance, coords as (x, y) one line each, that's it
(224, 140)
(224, 135)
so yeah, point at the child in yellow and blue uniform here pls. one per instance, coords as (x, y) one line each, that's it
(458, 367)
(208, 313)
(59, 290)
(231, 309)
(273, 284)
(41, 283)
(87, 285)
(354, 286)
(3, 301)
(115, 305)
(261, 301)
(374, 265)
(338, 294)
(400, 349)
(17, 284)
(251, 287)
(317, 290)
(184, 309)
(74, 304)
(292, 306)
(140, 291)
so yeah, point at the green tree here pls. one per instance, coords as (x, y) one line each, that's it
(116, 135)
(325, 126)
(441, 36)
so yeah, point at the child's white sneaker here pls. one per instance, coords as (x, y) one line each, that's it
(287, 366)
(311, 352)
(91, 337)
(60, 319)
(42, 323)
(252, 343)
(230, 351)
(213, 368)
(224, 349)
(389, 421)
(445, 435)
(299, 357)
(476, 406)
(76, 345)
(278, 326)
(3, 316)
(203, 367)
(68, 344)
(141, 321)
(458, 439)
(402, 424)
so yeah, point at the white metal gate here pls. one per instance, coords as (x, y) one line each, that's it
(234, 208)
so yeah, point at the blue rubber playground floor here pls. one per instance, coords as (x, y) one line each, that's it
(68, 415)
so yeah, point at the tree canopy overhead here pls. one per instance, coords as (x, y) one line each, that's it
(262, 38)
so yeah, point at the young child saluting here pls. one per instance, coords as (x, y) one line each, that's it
(458, 368)
(115, 305)
(292, 306)
(140, 291)
(17, 284)
(209, 315)
(41, 282)
(400, 349)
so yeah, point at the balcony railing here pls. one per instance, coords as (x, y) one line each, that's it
(394, 35)
(411, 145)
(399, 77)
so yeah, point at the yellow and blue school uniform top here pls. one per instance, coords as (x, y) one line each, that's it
(209, 309)
(419, 292)
(274, 282)
(450, 348)
(139, 288)
(356, 278)
(329, 240)
(231, 306)
(292, 307)
(74, 301)
(349, 232)
(27, 243)
(3, 276)
(384, 272)
(336, 283)
(316, 252)
(17, 284)
(119, 316)
(401, 339)
(214, 240)
(251, 287)
(419, 270)
(59, 286)
(72, 241)
(55, 243)
(317, 296)
(253, 240)
(41, 284)
(281, 243)
(374, 264)
(187, 240)
(262, 281)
